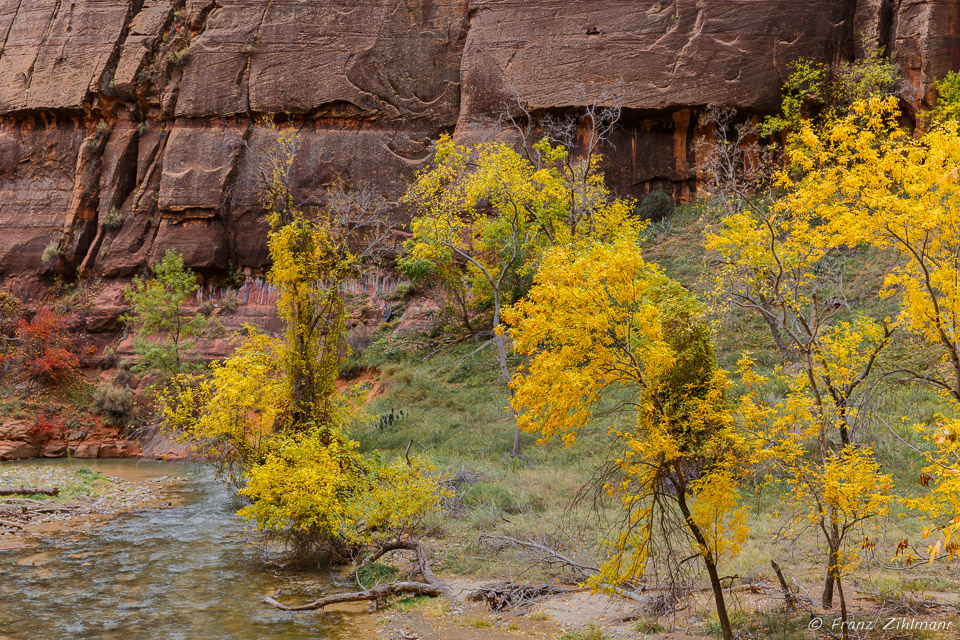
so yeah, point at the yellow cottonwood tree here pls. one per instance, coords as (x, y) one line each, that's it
(271, 412)
(873, 183)
(598, 319)
(839, 492)
(774, 259)
(495, 211)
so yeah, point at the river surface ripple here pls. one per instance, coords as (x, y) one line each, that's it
(181, 573)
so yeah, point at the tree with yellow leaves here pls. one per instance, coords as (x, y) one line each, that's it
(600, 319)
(840, 492)
(872, 183)
(495, 212)
(271, 413)
(775, 257)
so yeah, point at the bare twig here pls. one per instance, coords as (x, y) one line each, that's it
(547, 555)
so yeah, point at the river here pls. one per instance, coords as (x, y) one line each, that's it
(186, 572)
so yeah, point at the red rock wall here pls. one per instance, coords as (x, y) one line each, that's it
(147, 107)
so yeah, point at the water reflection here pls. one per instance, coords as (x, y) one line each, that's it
(186, 572)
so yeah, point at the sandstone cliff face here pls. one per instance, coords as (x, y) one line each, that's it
(145, 110)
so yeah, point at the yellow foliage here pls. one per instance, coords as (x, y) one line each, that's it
(498, 211)
(318, 483)
(600, 318)
(237, 405)
(870, 182)
(942, 503)
(271, 412)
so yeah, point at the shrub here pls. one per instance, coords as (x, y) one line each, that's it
(231, 300)
(47, 426)
(648, 626)
(114, 219)
(180, 55)
(163, 333)
(46, 350)
(113, 401)
(656, 206)
(51, 253)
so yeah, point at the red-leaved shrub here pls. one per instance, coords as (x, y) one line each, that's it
(47, 426)
(46, 350)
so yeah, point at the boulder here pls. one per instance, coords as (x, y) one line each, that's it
(17, 450)
(85, 449)
(54, 449)
(15, 429)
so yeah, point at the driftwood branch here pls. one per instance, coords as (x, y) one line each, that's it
(377, 594)
(510, 595)
(430, 586)
(26, 491)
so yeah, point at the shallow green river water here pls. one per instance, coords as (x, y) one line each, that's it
(185, 572)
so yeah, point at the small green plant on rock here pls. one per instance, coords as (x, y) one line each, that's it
(114, 219)
(180, 55)
(51, 254)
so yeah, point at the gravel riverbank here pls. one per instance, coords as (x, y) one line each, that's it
(86, 496)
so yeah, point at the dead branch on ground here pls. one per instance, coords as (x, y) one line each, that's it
(429, 586)
(545, 554)
(513, 596)
(377, 594)
(26, 491)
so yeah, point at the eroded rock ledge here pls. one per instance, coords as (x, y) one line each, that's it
(144, 111)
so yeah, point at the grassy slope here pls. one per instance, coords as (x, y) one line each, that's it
(456, 416)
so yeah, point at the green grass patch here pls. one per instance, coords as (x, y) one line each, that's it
(377, 573)
(592, 632)
(408, 604)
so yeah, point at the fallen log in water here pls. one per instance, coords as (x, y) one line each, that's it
(26, 491)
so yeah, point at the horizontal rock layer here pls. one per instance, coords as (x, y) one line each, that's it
(129, 126)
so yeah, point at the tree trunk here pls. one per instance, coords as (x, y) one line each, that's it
(791, 599)
(844, 631)
(832, 561)
(725, 628)
(505, 372)
(773, 322)
(777, 337)
(715, 584)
